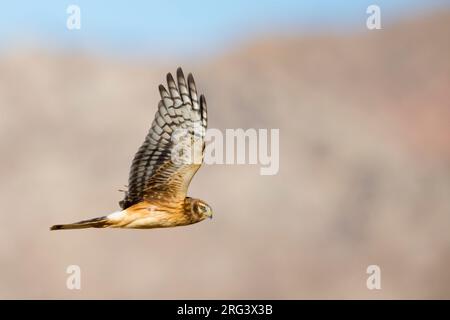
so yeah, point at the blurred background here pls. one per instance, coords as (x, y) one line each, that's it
(364, 148)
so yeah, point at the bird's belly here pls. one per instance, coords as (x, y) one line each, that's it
(145, 223)
(157, 220)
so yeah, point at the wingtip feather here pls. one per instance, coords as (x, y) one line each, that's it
(170, 80)
(180, 72)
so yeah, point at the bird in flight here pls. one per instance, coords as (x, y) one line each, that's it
(164, 165)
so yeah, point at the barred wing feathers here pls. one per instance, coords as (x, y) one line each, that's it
(173, 149)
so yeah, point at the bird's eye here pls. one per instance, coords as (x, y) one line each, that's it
(199, 208)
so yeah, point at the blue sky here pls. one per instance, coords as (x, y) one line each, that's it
(188, 27)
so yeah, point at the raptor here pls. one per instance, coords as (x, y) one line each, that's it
(164, 165)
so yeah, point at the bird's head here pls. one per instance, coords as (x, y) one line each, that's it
(201, 209)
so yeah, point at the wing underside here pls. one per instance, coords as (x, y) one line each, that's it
(173, 148)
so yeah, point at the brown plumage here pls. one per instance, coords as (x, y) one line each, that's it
(164, 165)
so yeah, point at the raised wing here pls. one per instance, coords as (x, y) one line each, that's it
(173, 149)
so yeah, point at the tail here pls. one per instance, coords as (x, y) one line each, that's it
(101, 222)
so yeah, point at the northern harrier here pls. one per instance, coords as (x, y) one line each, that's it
(164, 166)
